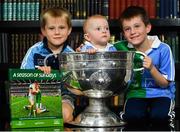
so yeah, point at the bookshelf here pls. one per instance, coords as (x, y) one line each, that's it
(79, 22)
(13, 24)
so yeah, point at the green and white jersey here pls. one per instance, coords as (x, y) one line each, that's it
(143, 85)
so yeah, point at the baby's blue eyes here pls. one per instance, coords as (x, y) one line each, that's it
(101, 29)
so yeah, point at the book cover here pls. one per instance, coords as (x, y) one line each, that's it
(35, 100)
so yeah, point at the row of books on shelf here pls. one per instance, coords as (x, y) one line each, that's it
(172, 39)
(14, 46)
(19, 10)
(29, 10)
(155, 8)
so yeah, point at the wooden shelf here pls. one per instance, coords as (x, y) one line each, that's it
(79, 23)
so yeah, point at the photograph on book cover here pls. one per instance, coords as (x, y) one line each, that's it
(34, 104)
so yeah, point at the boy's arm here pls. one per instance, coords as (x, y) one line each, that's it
(28, 61)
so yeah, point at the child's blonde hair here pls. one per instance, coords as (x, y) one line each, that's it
(55, 12)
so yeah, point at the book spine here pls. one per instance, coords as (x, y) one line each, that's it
(96, 7)
(80, 9)
(88, 8)
(178, 8)
(1, 11)
(74, 9)
(161, 9)
(4, 47)
(152, 8)
(177, 48)
(42, 5)
(141, 3)
(166, 9)
(123, 6)
(171, 13)
(18, 10)
(10, 10)
(111, 9)
(84, 11)
(28, 10)
(5, 10)
(134, 3)
(128, 3)
(77, 16)
(16, 48)
(14, 7)
(174, 9)
(117, 8)
(1, 48)
(92, 6)
(146, 6)
(23, 10)
(12, 48)
(105, 7)
(157, 8)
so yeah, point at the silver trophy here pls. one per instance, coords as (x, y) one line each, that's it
(100, 76)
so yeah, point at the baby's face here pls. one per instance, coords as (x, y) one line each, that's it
(98, 31)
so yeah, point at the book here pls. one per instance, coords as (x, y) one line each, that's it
(105, 7)
(32, 94)
(111, 9)
(174, 9)
(1, 10)
(157, 8)
(117, 9)
(152, 8)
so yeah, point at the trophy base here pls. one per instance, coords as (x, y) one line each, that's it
(98, 119)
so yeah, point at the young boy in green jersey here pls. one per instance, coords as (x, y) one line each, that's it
(150, 96)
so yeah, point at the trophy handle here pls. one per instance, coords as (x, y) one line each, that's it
(142, 57)
(45, 59)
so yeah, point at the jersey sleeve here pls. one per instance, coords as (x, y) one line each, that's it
(28, 61)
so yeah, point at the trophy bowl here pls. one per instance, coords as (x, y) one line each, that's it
(100, 75)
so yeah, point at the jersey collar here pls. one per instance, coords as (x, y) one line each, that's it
(155, 44)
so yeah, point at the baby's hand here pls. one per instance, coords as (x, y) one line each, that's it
(91, 51)
(45, 69)
(78, 49)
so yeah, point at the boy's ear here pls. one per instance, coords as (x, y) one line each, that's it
(148, 28)
(43, 32)
(69, 32)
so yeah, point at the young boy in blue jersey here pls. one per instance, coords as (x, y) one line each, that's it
(56, 27)
(150, 96)
(96, 35)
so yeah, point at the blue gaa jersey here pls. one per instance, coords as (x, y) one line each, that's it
(36, 54)
(87, 45)
(142, 84)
